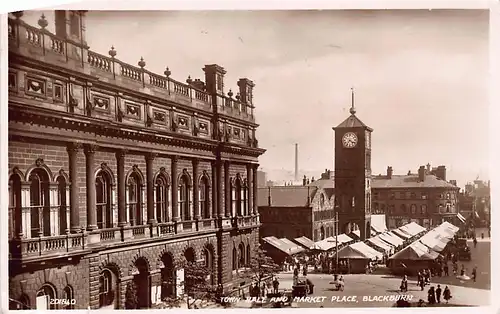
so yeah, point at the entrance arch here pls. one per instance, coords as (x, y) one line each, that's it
(168, 276)
(141, 280)
(350, 227)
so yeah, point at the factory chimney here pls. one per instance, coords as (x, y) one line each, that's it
(296, 162)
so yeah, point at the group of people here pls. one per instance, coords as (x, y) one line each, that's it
(265, 288)
(434, 295)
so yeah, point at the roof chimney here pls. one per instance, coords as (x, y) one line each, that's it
(296, 162)
(421, 174)
(269, 196)
(389, 172)
(441, 173)
(304, 181)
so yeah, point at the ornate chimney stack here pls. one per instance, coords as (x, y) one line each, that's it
(70, 24)
(389, 172)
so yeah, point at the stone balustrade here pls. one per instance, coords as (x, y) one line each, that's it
(29, 41)
(73, 243)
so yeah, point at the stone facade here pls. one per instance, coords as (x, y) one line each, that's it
(119, 175)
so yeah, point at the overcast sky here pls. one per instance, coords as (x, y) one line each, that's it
(421, 77)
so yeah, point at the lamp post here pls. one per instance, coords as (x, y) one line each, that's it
(336, 241)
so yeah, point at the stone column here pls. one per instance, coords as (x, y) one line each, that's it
(254, 187)
(89, 151)
(150, 188)
(213, 212)
(122, 202)
(175, 187)
(73, 149)
(250, 184)
(220, 190)
(227, 190)
(196, 188)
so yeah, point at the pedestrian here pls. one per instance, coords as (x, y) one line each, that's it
(475, 242)
(431, 296)
(446, 269)
(276, 285)
(474, 273)
(263, 290)
(462, 270)
(438, 294)
(447, 294)
(422, 284)
(419, 277)
(304, 271)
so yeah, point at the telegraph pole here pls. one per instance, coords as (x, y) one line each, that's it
(336, 242)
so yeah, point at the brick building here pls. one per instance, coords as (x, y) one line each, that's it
(424, 197)
(119, 175)
(294, 211)
(476, 200)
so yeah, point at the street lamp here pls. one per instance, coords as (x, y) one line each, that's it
(336, 241)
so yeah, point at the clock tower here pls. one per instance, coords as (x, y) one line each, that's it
(353, 174)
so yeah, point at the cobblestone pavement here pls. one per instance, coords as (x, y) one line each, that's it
(378, 285)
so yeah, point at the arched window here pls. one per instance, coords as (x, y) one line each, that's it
(241, 255)
(162, 199)
(40, 202)
(249, 256)
(104, 200)
(63, 205)
(107, 291)
(204, 190)
(134, 204)
(69, 296)
(43, 297)
(423, 209)
(15, 206)
(413, 209)
(244, 199)
(235, 259)
(184, 200)
(321, 201)
(403, 208)
(237, 197)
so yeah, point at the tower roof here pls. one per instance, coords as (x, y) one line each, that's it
(352, 121)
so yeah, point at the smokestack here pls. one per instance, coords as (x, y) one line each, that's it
(296, 162)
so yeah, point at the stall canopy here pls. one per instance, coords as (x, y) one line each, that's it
(412, 228)
(448, 225)
(366, 250)
(349, 253)
(415, 252)
(343, 238)
(276, 243)
(434, 241)
(376, 241)
(391, 238)
(462, 218)
(356, 234)
(293, 248)
(305, 242)
(400, 233)
(326, 244)
(378, 224)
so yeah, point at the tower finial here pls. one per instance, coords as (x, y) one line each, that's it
(353, 109)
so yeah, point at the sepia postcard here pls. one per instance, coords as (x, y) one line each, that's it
(248, 159)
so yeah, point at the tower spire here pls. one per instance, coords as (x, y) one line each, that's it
(353, 109)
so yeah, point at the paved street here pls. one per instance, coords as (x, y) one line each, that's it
(379, 285)
(463, 292)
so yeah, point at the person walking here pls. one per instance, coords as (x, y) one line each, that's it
(474, 273)
(263, 290)
(422, 284)
(431, 296)
(475, 242)
(447, 294)
(276, 285)
(438, 294)
(446, 270)
(304, 271)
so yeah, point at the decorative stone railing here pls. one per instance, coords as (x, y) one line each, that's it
(54, 246)
(47, 245)
(30, 41)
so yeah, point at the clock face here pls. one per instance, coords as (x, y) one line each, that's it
(350, 140)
